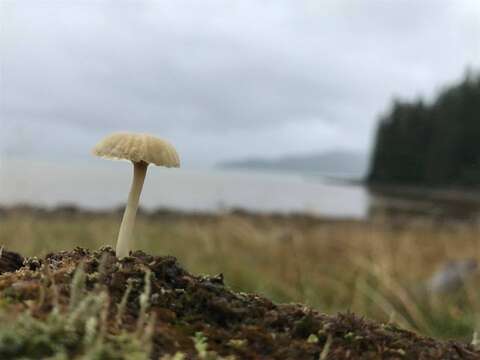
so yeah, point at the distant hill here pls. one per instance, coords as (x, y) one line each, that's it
(334, 163)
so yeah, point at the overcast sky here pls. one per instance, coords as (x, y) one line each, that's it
(221, 79)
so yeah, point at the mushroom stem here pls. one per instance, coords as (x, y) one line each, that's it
(125, 235)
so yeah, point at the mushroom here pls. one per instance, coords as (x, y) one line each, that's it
(141, 150)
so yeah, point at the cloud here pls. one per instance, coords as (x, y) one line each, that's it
(222, 79)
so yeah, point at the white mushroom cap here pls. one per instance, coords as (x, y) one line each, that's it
(138, 148)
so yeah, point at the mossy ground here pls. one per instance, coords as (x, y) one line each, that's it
(83, 304)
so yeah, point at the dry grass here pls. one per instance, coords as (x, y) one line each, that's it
(375, 268)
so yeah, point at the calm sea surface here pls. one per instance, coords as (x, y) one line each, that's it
(105, 184)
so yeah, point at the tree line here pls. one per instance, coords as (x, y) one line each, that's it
(431, 144)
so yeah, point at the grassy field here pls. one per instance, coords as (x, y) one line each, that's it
(377, 268)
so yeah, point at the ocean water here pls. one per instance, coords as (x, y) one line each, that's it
(99, 184)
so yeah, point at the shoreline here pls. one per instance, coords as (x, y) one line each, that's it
(452, 195)
(69, 210)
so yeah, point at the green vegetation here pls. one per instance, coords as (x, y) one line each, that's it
(433, 144)
(80, 333)
(83, 304)
(377, 269)
(42, 320)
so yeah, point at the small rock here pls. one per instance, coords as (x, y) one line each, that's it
(452, 276)
(10, 261)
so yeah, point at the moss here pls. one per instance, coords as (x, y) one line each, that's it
(92, 305)
(31, 338)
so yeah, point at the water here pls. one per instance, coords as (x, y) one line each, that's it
(100, 184)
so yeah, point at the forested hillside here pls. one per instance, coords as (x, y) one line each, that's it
(434, 144)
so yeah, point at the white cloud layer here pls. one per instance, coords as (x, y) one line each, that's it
(222, 79)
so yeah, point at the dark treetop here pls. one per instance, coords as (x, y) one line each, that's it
(431, 144)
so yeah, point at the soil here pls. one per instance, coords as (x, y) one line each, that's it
(247, 326)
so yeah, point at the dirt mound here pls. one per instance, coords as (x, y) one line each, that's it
(154, 298)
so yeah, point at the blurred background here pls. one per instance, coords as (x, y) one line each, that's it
(330, 146)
